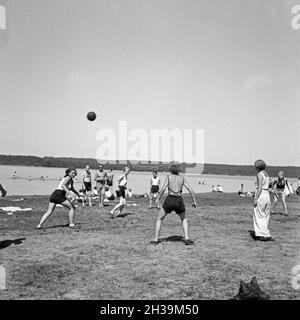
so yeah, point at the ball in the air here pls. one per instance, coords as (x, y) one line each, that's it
(91, 116)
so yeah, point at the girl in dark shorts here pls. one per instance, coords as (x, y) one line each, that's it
(121, 193)
(59, 197)
(174, 202)
(154, 188)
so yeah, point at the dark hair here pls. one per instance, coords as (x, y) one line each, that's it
(69, 170)
(260, 165)
(175, 168)
(154, 171)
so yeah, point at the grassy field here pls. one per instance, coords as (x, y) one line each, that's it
(107, 258)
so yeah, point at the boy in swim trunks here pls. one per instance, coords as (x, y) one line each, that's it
(174, 201)
(100, 179)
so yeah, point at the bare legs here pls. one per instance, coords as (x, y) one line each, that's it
(283, 200)
(51, 208)
(119, 207)
(161, 216)
(100, 190)
(89, 196)
(151, 200)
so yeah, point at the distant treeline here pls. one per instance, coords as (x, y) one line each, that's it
(209, 168)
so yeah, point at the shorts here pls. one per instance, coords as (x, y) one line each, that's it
(174, 203)
(88, 186)
(58, 196)
(154, 189)
(109, 183)
(121, 192)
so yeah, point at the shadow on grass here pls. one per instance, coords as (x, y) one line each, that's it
(123, 215)
(280, 213)
(65, 225)
(6, 243)
(172, 239)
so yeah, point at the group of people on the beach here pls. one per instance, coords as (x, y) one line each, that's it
(65, 195)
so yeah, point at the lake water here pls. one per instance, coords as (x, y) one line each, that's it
(137, 181)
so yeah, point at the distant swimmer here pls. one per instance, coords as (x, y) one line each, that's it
(3, 191)
(121, 192)
(100, 179)
(59, 196)
(87, 184)
(110, 179)
(14, 176)
(154, 188)
(174, 201)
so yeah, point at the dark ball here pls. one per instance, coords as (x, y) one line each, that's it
(91, 116)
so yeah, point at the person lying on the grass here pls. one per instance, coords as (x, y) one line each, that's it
(59, 196)
(121, 193)
(174, 201)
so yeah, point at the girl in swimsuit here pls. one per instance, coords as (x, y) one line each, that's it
(59, 197)
(100, 179)
(279, 186)
(174, 202)
(121, 193)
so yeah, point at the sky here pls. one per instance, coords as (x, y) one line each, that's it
(231, 68)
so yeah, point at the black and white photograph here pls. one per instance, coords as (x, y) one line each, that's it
(149, 151)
